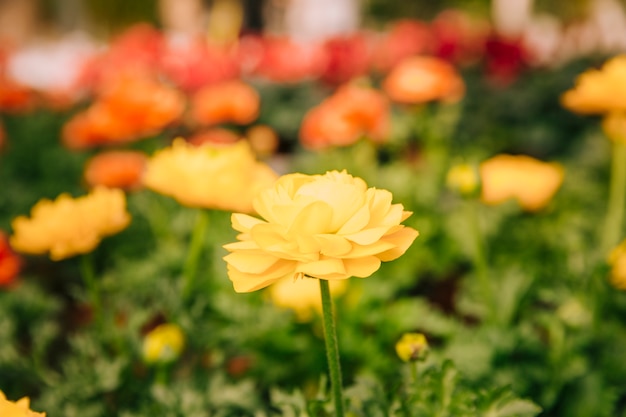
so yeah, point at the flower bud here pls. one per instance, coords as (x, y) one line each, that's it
(412, 347)
(163, 344)
(463, 178)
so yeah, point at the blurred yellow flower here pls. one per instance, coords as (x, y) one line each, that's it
(599, 90)
(412, 347)
(463, 178)
(163, 344)
(223, 177)
(617, 261)
(530, 181)
(614, 126)
(303, 295)
(19, 408)
(69, 226)
(329, 226)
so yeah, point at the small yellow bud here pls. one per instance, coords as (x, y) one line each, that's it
(463, 178)
(412, 347)
(163, 344)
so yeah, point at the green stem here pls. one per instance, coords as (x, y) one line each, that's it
(332, 350)
(479, 259)
(414, 372)
(89, 279)
(617, 192)
(195, 247)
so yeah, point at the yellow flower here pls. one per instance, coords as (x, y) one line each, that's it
(163, 344)
(19, 408)
(69, 226)
(303, 295)
(208, 176)
(614, 126)
(324, 226)
(463, 178)
(617, 261)
(530, 181)
(599, 90)
(412, 347)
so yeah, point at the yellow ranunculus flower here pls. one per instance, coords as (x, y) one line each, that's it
(412, 347)
(328, 226)
(69, 226)
(19, 408)
(303, 295)
(163, 344)
(530, 181)
(224, 177)
(599, 91)
(617, 260)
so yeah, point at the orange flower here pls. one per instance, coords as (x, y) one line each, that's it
(420, 79)
(19, 408)
(129, 107)
(116, 169)
(346, 116)
(263, 140)
(10, 263)
(530, 181)
(14, 97)
(231, 101)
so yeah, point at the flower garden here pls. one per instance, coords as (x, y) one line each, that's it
(418, 220)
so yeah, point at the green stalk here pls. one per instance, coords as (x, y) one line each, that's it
(617, 191)
(332, 349)
(479, 259)
(195, 247)
(89, 279)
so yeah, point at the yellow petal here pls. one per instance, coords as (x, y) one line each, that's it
(333, 245)
(361, 267)
(243, 222)
(313, 219)
(401, 240)
(250, 263)
(368, 236)
(321, 268)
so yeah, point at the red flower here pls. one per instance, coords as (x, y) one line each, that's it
(10, 263)
(505, 59)
(347, 57)
(346, 116)
(405, 38)
(458, 37)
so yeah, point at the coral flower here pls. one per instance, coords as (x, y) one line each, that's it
(329, 226)
(19, 408)
(116, 169)
(599, 91)
(617, 261)
(129, 107)
(421, 79)
(221, 177)
(406, 37)
(351, 113)
(10, 263)
(231, 101)
(163, 344)
(69, 226)
(303, 295)
(531, 182)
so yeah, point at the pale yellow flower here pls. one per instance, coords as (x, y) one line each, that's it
(530, 181)
(463, 178)
(163, 344)
(19, 408)
(599, 91)
(69, 226)
(617, 261)
(223, 177)
(328, 226)
(303, 295)
(412, 347)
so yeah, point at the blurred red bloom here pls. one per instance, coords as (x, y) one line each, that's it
(10, 263)
(128, 108)
(350, 113)
(116, 169)
(504, 59)
(192, 63)
(280, 59)
(420, 79)
(231, 101)
(459, 37)
(347, 57)
(406, 37)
